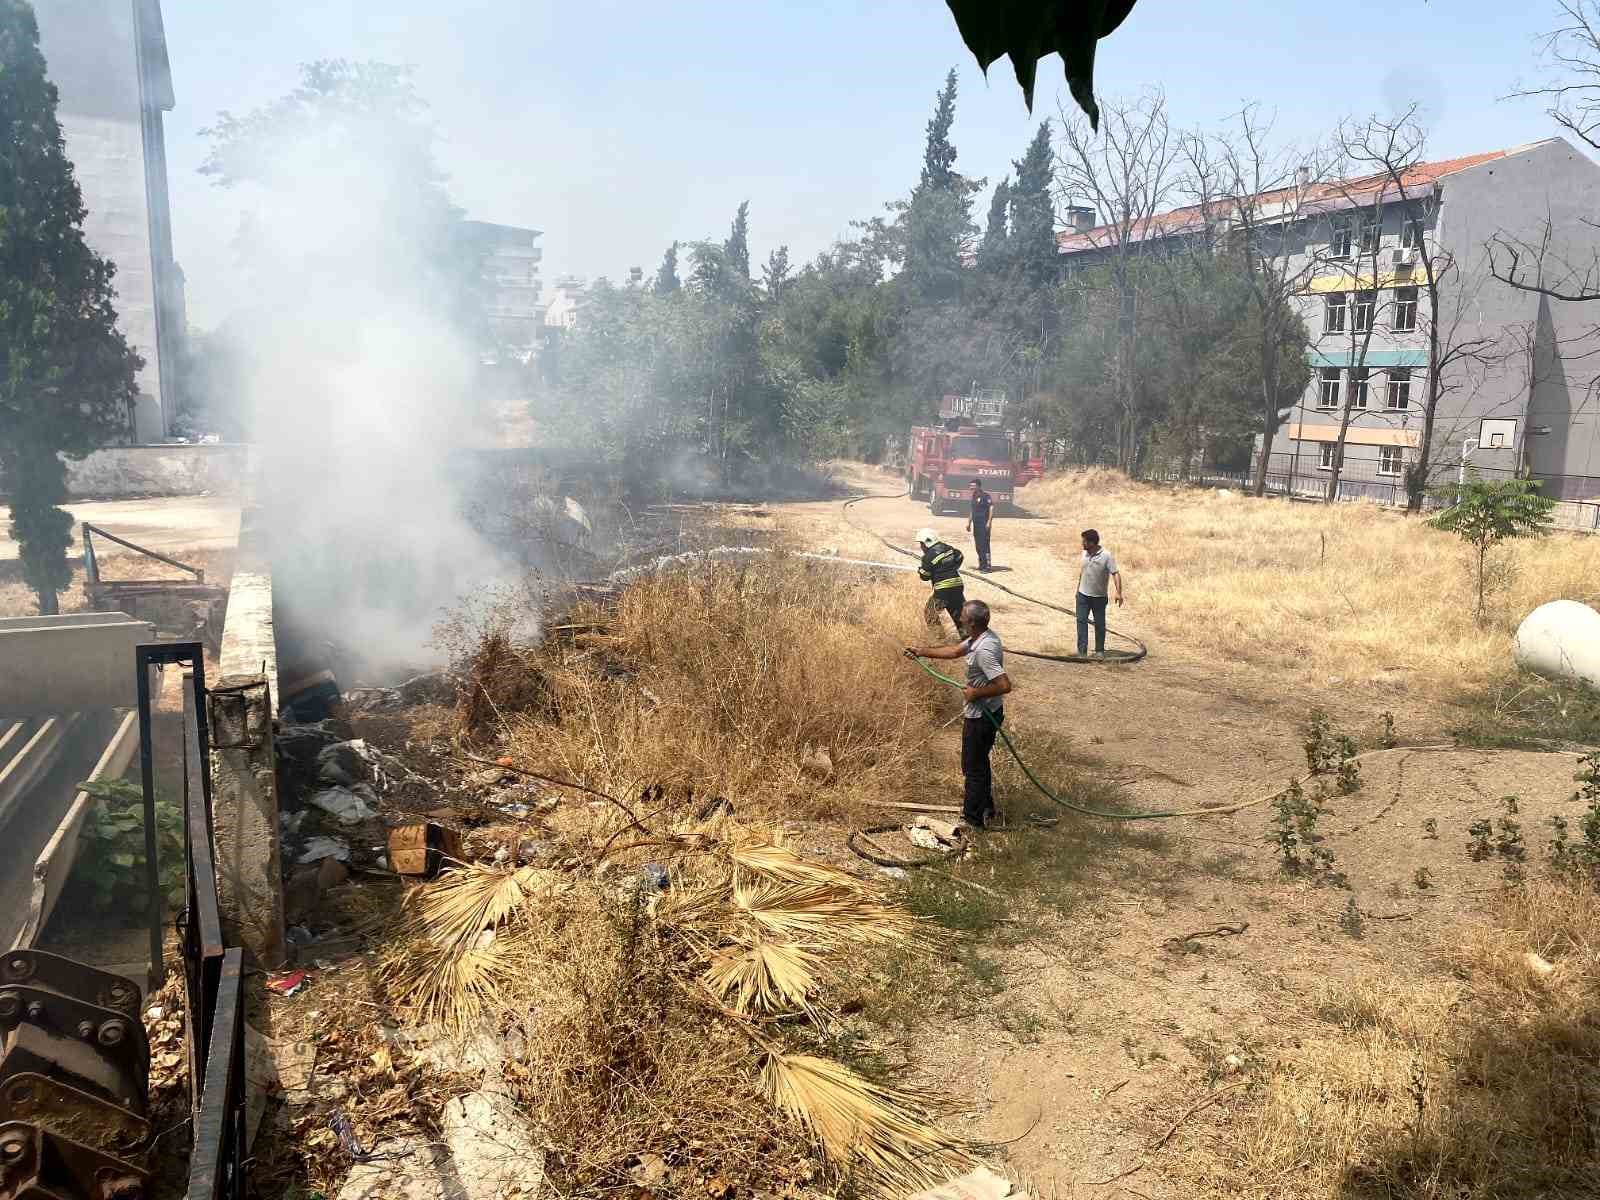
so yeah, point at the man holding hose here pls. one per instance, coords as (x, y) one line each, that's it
(987, 684)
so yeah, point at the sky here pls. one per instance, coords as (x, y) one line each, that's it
(616, 128)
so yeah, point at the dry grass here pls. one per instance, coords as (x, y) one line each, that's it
(1346, 590)
(776, 685)
(1486, 1085)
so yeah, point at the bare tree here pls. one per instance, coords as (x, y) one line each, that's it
(1388, 154)
(1127, 173)
(1542, 265)
(1264, 199)
(1571, 53)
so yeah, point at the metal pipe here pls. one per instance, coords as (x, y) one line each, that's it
(171, 562)
(147, 773)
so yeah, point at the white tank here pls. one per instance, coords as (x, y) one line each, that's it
(1560, 640)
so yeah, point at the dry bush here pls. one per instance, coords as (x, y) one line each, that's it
(640, 1039)
(777, 685)
(1445, 1090)
(1348, 589)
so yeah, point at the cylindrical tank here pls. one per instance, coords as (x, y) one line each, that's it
(1560, 640)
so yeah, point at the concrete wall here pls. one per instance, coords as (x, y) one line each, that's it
(107, 59)
(123, 472)
(244, 789)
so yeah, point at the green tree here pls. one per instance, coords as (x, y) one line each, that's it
(1483, 513)
(667, 280)
(737, 248)
(1033, 215)
(992, 251)
(775, 275)
(66, 373)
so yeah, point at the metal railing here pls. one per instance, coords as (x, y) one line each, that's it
(213, 971)
(1577, 496)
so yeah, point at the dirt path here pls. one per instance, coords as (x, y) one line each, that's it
(1105, 1025)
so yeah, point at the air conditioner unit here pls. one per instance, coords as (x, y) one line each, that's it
(1405, 258)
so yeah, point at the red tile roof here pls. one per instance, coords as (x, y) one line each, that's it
(1169, 224)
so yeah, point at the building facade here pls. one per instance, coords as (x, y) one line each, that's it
(108, 61)
(572, 293)
(1517, 370)
(510, 257)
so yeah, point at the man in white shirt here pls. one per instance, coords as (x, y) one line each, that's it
(1098, 571)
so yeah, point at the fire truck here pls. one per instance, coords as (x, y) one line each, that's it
(970, 442)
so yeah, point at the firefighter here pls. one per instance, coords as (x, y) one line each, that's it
(941, 566)
(981, 524)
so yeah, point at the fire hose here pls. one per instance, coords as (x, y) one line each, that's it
(1116, 656)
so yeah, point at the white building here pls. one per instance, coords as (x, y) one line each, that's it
(510, 257)
(572, 293)
(108, 61)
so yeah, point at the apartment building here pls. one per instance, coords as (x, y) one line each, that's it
(108, 61)
(1519, 370)
(509, 256)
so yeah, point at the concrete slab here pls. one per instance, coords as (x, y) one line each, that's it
(492, 1149)
(69, 663)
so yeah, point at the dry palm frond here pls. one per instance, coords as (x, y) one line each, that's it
(452, 985)
(773, 861)
(764, 976)
(825, 914)
(461, 904)
(885, 1132)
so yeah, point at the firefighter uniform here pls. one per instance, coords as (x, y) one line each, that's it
(941, 566)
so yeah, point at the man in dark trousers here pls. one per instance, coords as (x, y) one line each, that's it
(981, 522)
(941, 566)
(1097, 575)
(987, 685)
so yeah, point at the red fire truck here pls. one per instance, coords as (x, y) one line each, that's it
(969, 442)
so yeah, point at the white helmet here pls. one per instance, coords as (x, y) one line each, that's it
(927, 537)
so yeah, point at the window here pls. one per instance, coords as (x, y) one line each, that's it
(1405, 309)
(1328, 388)
(1361, 319)
(1339, 243)
(1390, 460)
(1325, 463)
(1399, 388)
(1333, 312)
(1371, 231)
(1411, 233)
(985, 449)
(1358, 387)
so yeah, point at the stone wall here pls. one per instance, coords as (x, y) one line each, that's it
(123, 472)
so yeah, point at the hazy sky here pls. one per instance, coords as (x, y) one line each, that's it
(617, 127)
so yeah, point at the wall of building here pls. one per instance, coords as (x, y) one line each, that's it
(1548, 352)
(101, 57)
(1522, 346)
(123, 472)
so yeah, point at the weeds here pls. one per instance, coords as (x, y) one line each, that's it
(1530, 711)
(1422, 879)
(1331, 753)
(1294, 831)
(1500, 838)
(1430, 828)
(1351, 921)
(111, 867)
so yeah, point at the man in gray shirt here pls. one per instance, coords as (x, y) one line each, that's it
(987, 684)
(1098, 570)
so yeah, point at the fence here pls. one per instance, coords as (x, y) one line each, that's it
(1577, 496)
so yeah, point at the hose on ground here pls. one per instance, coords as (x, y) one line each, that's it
(1120, 656)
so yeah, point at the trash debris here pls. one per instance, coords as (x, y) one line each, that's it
(290, 984)
(299, 935)
(346, 806)
(943, 830)
(978, 1184)
(303, 891)
(156, 1013)
(1538, 965)
(487, 778)
(419, 848)
(321, 847)
(818, 762)
(893, 872)
(346, 1133)
(655, 875)
(650, 1172)
(342, 764)
(926, 839)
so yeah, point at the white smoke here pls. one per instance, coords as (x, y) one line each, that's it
(364, 388)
